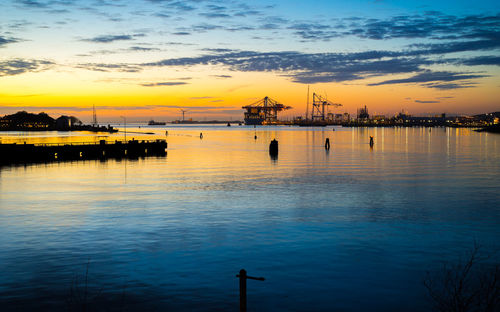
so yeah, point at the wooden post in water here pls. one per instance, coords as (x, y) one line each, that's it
(273, 148)
(371, 141)
(327, 144)
(243, 288)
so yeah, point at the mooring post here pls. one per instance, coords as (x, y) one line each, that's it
(371, 141)
(201, 135)
(327, 144)
(273, 148)
(243, 288)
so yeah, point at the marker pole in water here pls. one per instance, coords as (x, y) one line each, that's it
(243, 288)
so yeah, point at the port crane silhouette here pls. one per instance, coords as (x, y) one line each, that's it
(318, 107)
(265, 109)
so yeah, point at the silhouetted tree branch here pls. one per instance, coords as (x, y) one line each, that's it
(470, 285)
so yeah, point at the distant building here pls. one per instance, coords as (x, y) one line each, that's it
(338, 118)
(63, 123)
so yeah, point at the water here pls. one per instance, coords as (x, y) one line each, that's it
(349, 229)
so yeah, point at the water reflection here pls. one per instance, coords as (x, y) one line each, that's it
(322, 228)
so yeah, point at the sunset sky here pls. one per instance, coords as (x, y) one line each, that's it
(147, 59)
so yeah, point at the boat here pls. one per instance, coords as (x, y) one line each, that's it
(156, 123)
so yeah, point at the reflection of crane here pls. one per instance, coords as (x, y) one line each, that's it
(183, 111)
(264, 111)
(318, 107)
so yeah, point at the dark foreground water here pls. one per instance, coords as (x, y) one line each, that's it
(352, 229)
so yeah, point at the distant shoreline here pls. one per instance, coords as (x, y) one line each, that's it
(74, 128)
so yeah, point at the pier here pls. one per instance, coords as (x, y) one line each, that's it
(38, 153)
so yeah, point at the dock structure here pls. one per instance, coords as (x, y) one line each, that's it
(39, 153)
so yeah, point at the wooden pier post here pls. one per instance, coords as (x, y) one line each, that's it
(371, 141)
(327, 144)
(243, 288)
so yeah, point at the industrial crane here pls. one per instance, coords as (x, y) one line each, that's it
(264, 111)
(318, 107)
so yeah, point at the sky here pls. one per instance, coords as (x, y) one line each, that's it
(148, 59)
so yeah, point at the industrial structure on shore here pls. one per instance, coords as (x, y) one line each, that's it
(263, 112)
(319, 112)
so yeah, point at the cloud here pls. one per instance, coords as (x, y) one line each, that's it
(214, 15)
(142, 49)
(450, 86)
(434, 79)
(453, 47)
(109, 38)
(101, 67)
(201, 97)
(305, 68)
(432, 25)
(222, 76)
(310, 68)
(176, 43)
(181, 6)
(205, 27)
(482, 60)
(313, 31)
(5, 41)
(34, 4)
(164, 84)
(20, 66)
(426, 102)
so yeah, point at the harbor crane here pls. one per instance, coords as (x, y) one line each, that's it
(318, 107)
(263, 112)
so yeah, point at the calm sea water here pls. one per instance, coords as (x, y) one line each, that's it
(349, 229)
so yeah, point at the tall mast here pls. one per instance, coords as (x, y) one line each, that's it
(94, 115)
